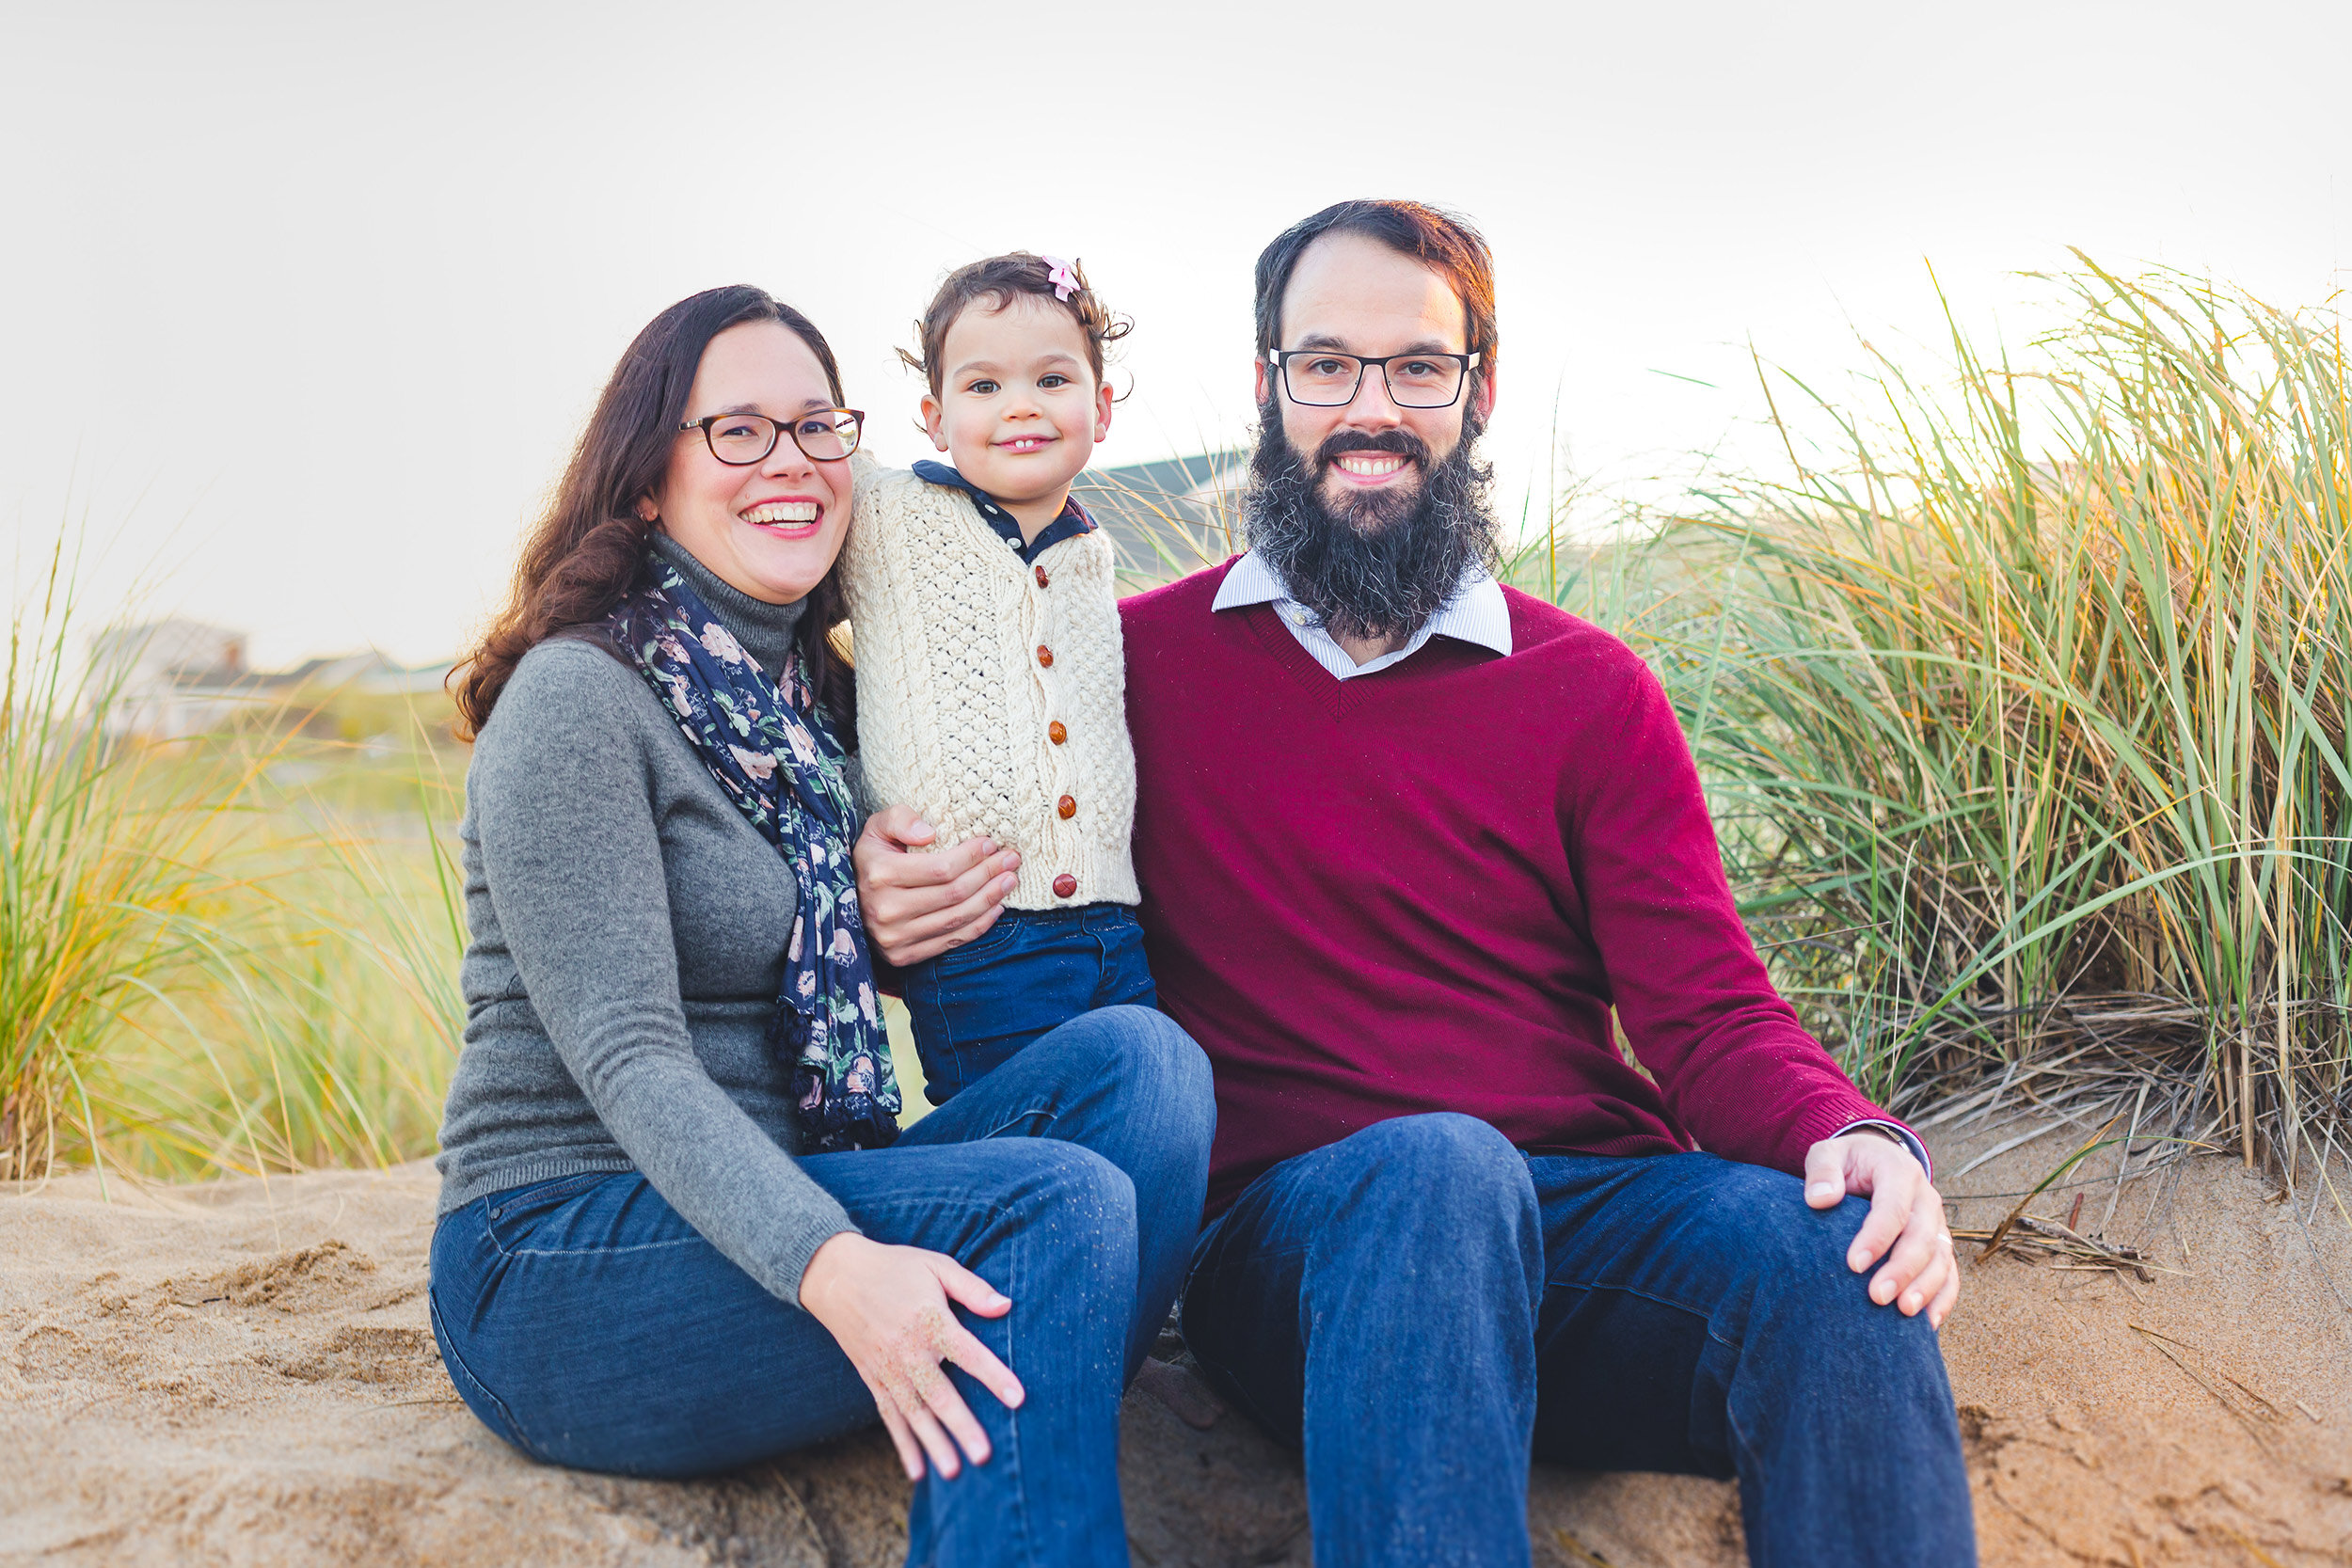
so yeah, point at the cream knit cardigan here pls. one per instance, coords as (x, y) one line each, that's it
(955, 706)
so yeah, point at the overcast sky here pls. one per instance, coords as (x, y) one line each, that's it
(311, 298)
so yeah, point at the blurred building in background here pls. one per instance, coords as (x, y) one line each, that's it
(180, 677)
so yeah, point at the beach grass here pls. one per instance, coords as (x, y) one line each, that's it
(2022, 695)
(234, 952)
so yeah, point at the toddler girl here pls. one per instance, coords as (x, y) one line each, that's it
(990, 676)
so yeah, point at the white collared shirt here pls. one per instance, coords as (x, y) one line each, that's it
(1476, 613)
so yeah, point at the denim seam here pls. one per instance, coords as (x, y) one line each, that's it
(505, 1251)
(562, 1186)
(934, 1004)
(1013, 1425)
(1013, 1121)
(519, 1439)
(955, 1205)
(1738, 1436)
(1699, 1312)
(1002, 934)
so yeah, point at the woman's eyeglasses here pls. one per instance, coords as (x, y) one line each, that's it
(739, 440)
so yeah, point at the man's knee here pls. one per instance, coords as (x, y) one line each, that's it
(1801, 1279)
(1443, 1143)
(1448, 1177)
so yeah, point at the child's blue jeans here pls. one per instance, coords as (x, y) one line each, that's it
(973, 1007)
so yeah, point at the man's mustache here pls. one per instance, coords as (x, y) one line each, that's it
(1402, 443)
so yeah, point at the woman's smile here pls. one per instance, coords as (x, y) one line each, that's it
(785, 516)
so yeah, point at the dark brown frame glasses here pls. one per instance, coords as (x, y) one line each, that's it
(841, 426)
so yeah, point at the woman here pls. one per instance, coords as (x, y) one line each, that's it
(678, 1229)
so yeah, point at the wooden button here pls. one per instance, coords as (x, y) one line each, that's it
(1068, 807)
(1045, 655)
(1054, 733)
(1041, 578)
(1064, 886)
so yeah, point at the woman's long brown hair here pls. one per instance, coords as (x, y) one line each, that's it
(585, 551)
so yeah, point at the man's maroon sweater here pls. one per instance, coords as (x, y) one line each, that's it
(1423, 889)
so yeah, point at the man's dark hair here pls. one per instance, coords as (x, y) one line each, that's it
(995, 283)
(1438, 240)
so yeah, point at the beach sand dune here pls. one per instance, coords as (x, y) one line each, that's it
(241, 1372)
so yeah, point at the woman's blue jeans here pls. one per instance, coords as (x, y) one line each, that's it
(588, 1325)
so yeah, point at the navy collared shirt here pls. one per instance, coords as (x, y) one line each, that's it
(1072, 521)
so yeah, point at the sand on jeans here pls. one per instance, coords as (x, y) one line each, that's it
(241, 1373)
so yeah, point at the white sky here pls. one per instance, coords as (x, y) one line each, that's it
(305, 301)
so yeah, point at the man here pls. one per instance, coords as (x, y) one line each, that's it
(1405, 838)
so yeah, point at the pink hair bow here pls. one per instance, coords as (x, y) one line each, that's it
(1065, 281)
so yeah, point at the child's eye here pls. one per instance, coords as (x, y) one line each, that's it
(1051, 379)
(985, 389)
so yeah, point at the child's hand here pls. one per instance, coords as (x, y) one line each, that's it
(916, 906)
(887, 1307)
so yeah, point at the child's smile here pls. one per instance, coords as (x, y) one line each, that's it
(1019, 408)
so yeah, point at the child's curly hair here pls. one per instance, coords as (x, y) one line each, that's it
(996, 280)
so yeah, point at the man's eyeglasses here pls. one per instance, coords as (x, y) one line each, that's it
(1318, 378)
(739, 440)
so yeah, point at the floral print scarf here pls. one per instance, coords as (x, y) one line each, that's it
(777, 759)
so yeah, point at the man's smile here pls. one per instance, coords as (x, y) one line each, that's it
(1371, 467)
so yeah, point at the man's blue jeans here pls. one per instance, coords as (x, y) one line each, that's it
(1421, 1306)
(588, 1325)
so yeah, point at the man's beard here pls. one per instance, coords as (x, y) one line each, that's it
(1383, 562)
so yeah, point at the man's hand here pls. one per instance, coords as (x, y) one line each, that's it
(1906, 1214)
(917, 906)
(887, 1307)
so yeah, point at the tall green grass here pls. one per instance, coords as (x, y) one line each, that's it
(2023, 696)
(205, 967)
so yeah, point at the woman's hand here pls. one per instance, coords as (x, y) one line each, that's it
(917, 906)
(887, 1307)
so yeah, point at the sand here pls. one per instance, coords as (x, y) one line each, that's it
(241, 1373)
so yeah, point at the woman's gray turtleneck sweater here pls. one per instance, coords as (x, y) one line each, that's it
(628, 928)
